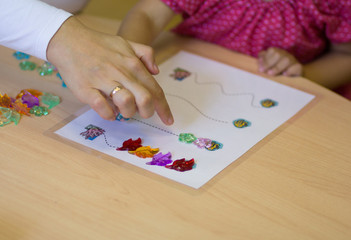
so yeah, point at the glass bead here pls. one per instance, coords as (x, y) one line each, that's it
(39, 111)
(4, 121)
(5, 101)
(187, 137)
(182, 165)
(161, 159)
(120, 118)
(215, 146)
(30, 100)
(130, 145)
(46, 69)
(50, 100)
(241, 123)
(203, 142)
(10, 114)
(27, 65)
(63, 83)
(144, 152)
(20, 55)
(268, 103)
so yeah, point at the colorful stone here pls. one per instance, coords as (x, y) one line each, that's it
(214, 146)
(182, 165)
(27, 65)
(63, 83)
(92, 132)
(120, 118)
(30, 100)
(20, 55)
(145, 152)
(21, 108)
(241, 123)
(179, 74)
(10, 114)
(50, 100)
(187, 137)
(5, 101)
(268, 103)
(34, 92)
(203, 142)
(46, 69)
(130, 145)
(39, 111)
(161, 159)
(4, 121)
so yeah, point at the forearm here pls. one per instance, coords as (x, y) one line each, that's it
(72, 6)
(331, 70)
(145, 21)
(138, 27)
(28, 25)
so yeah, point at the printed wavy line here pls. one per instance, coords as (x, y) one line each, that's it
(206, 116)
(225, 93)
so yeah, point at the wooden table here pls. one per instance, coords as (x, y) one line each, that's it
(295, 184)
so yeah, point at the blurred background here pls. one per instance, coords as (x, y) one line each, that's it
(116, 9)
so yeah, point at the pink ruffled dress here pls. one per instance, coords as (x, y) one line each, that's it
(302, 27)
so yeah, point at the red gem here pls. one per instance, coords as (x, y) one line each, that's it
(130, 145)
(182, 165)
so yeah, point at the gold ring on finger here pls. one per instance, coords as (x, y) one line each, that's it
(115, 90)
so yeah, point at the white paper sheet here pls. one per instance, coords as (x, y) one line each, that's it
(205, 103)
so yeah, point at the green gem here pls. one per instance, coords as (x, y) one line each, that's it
(39, 111)
(27, 65)
(46, 69)
(4, 121)
(10, 115)
(50, 100)
(187, 137)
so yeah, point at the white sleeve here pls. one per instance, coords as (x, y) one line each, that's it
(29, 25)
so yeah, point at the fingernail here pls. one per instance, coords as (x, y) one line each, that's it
(270, 72)
(261, 69)
(156, 67)
(170, 121)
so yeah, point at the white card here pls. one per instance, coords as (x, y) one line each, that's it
(205, 103)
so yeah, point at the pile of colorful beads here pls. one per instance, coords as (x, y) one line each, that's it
(46, 69)
(27, 102)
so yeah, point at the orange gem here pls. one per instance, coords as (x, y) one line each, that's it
(145, 152)
(21, 108)
(33, 92)
(5, 101)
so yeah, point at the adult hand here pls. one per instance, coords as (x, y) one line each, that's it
(276, 61)
(93, 64)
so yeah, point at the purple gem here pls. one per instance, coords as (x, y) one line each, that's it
(161, 159)
(203, 142)
(30, 100)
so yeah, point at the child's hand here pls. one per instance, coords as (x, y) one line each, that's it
(276, 61)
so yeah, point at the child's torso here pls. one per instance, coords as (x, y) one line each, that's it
(249, 26)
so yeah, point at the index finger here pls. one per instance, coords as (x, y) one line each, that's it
(146, 56)
(161, 105)
(136, 78)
